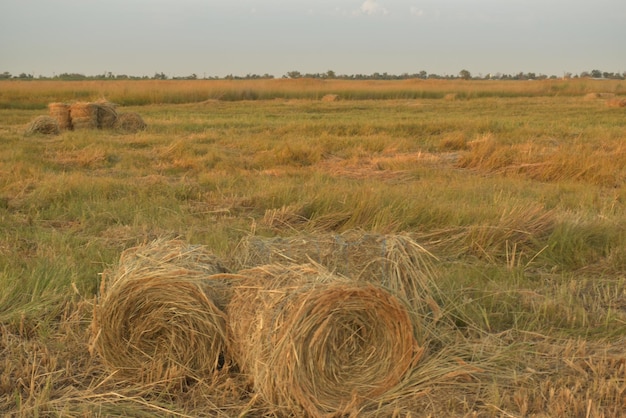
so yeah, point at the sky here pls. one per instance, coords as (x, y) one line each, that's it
(240, 37)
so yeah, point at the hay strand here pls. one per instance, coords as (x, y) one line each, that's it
(61, 112)
(129, 122)
(154, 322)
(314, 343)
(45, 125)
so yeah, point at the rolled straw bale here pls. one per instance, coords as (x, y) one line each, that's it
(154, 321)
(129, 122)
(61, 112)
(84, 115)
(395, 261)
(106, 114)
(316, 344)
(43, 125)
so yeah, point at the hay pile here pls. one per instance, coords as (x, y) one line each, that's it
(129, 122)
(43, 125)
(61, 112)
(617, 102)
(314, 343)
(158, 319)
(84, 115)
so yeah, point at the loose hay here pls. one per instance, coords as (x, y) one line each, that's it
(61, 112)
(84, 115)
(156, 320)
(129, 122)
(106, 114)
(315, 343)
(43, 125)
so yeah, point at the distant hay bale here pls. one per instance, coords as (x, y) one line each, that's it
(43, 125)
(129, 122)
(316, 344)
(616, 102)
(330, 98)
(156, 320)
(84, 115)
(106, 114)
(61, 112)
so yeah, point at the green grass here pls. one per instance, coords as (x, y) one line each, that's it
(520, 195)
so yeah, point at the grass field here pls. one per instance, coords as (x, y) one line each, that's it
(517, 189)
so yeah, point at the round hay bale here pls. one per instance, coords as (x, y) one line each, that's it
(129, 122)
(43, 125)
(61, 112)
(84, 115)
(154, 322)
(330, 98)
(106, 114)
(316, 344)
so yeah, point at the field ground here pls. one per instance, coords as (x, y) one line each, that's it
(519, 194)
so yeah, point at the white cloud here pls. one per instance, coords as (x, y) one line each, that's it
(415, 11)
(371, 7)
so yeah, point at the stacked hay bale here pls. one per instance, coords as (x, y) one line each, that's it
(84, 115)
(45, 125)
(157, 320)
(313, 343)
(61, 112)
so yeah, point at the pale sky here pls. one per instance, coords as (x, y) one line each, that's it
(239, 37)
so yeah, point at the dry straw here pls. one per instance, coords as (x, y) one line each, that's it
(61, 112)
(129, 122)
(155, 322)
(330, 98)
(84, 115)
(43, 125)
(316, 344)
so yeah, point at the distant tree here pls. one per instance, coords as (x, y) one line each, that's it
(159, 76)
(465, 75)
(330, 74)
(294, 74)
(596, 74)
(5, 75)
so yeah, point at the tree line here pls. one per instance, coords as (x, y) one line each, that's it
(330, 74)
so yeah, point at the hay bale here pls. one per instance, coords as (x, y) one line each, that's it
(61, 112)
(84, 115)
(129, 122)
(155, 321)
(395, 261)
(330, 98)
(106, 114)
(43, 125)
(616, 102)
(313, 343)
